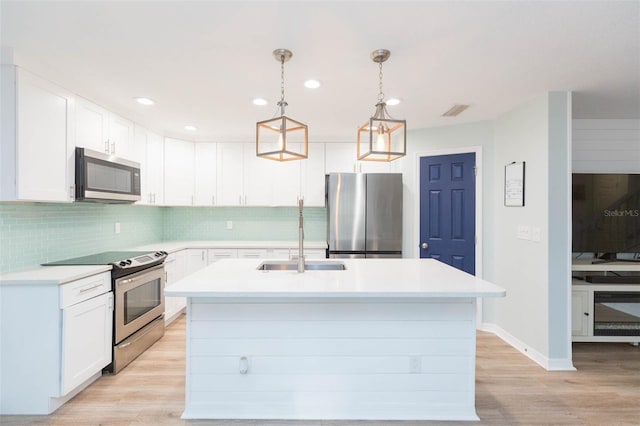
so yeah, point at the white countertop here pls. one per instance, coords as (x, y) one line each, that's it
(40, 275)
(52, 275)
(173, 246)
(370, 278)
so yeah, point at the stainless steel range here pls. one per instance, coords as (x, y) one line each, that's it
(137, 280)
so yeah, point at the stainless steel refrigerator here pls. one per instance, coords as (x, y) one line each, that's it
(364, 215)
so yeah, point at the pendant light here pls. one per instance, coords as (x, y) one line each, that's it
(282, 138)
(382, 138)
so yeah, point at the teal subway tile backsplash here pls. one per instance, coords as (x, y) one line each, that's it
(249, 223)
(34, 233)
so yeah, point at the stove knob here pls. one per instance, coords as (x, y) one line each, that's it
(128, 261)
(122, 263)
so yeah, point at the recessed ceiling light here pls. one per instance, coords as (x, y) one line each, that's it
(145, 101)
(191, 128)
(260, 101)
(312, 84)
(393, 101)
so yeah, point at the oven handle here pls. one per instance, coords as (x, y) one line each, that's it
(138, 275)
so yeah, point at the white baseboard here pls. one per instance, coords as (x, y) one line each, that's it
(549, 364)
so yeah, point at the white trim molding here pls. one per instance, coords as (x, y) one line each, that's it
(549, 364)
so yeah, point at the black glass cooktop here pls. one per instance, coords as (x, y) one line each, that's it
(105, 258)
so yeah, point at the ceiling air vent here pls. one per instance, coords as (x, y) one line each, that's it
(455, 110)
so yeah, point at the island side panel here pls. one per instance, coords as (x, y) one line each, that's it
(333, 359)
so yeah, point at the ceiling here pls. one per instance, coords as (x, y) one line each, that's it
(204, 61)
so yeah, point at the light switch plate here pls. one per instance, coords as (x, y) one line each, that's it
(229, 224)
(523, 232)
(116, 228)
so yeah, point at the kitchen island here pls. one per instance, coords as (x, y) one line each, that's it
(382, 339)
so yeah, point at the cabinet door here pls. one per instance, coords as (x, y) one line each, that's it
(253, 253)
(92, 126)
(310, 254)
(230, 174)
(213, 255)
(178, 168)
(340, 158)
(374, 167)
(205, 174)
(196, 260)
(581, 314)
(268, 182)
(312, 171)
(175, 269)
(43, 152)
(86, 340)
(153, 169)
(121, 141)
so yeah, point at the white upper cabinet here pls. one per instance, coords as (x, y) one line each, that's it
(340, 158)
(374, 167)
(100, 130)
(312, 176)
(36, 154)
(179, 172)
(121, 140)
(230, 174)
(152, 168)
(205, 174)
(92, 126)
(268, 182)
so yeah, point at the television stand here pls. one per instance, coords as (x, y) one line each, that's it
(605, 301)
(612, 279)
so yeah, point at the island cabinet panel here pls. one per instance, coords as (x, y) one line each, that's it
(325, 359)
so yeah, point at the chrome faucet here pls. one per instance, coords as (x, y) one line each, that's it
(300, 237)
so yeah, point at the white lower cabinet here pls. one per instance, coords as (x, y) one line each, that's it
(175, 268)
(581, 312)
(310, 254)
(252, 253)
(213, 255)
(86, 340)
(196, 260)
(55, 341)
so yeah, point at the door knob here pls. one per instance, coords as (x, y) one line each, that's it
(424, 246)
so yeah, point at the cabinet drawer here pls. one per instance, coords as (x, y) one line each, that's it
(84, 289)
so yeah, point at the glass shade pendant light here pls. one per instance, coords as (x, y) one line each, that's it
(282, 138)
(382, 138)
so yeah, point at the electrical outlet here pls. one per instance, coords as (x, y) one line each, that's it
(536, 234)
(415, 364)
(229, 224)
(116, 228)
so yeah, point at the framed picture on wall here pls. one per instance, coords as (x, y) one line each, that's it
(514, 184)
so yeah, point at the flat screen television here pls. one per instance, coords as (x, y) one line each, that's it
(606, 214)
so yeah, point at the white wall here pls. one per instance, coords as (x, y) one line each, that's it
(538, 133)
(606, 146)
(447, 138)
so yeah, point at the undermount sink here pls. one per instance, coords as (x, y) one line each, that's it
(285, 265)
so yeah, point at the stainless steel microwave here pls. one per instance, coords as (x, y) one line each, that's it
(104, 178)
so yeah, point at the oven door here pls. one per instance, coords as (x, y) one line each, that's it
(139, 299)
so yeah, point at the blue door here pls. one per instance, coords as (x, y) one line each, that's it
(447, 209)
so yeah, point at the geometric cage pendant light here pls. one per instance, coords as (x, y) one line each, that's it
(282, 138)
(382, 138)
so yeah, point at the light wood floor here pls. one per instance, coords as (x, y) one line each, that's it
(510, 389)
